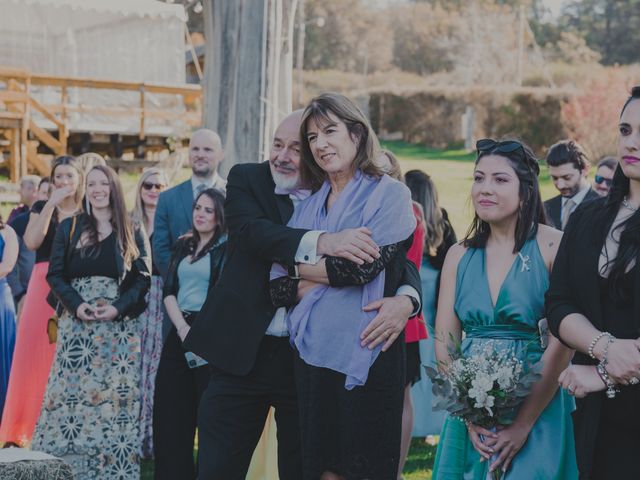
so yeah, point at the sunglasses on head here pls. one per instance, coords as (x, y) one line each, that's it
(486, 145)
(512, 148)
(600, 179)
(150, 185)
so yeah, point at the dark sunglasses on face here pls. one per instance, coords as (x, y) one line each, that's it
(600, 179)
(149, 186)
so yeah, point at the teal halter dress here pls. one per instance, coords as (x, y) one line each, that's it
(512, 324)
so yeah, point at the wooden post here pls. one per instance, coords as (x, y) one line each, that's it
(248, 73)
(24, 133)
(194, 55)
(142, 106)
(64, 133)
(14, 154)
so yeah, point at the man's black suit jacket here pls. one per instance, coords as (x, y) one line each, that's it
(234, 318)
(553, 207)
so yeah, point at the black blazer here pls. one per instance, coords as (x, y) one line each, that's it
(234, 318)
(182, 248)
(553, 207)
(133, 283)
(574, 288)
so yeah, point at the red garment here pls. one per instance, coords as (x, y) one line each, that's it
(416, 329)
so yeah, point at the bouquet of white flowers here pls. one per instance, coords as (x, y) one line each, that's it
(484, 388)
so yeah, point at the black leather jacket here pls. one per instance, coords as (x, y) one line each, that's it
(184, 247)
(133, 283)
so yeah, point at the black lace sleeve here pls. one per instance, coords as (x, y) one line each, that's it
(283, 291)
(344, 273)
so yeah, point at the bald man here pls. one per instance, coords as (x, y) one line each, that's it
(173, 215)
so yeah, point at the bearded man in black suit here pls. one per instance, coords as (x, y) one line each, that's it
(568, 168)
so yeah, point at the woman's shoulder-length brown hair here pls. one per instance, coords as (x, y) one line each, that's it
(320, 109)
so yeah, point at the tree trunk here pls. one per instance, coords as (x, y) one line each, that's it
(248, 73)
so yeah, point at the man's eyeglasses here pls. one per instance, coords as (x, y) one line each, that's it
(150, 185)
(600, 179)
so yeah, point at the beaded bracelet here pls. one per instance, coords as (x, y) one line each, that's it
(593, 343)
(605, 352)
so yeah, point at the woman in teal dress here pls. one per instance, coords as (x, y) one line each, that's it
(492, 289)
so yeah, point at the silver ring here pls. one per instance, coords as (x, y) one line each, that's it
(571, 389)
(634, 381)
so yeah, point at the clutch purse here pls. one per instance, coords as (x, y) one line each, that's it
(52, 329)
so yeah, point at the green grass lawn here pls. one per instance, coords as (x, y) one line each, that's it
(418, 466)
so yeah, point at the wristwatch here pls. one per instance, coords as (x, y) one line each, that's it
(415, 304)
(293, 272)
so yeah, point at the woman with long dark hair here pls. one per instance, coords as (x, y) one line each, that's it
(492, 289)
(34, 350)
(195, 267)
(593, 305)
(439, 237)
(8, 256)
(99, 274)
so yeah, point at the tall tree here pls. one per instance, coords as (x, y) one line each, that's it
(609, 27)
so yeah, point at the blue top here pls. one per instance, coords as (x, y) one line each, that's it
(193, 279)
(520, 302)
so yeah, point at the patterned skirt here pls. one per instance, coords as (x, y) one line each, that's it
(151, 347)
(91, 406)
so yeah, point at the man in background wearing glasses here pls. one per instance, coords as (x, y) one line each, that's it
(604, 175)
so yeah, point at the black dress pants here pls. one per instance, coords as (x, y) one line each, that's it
(233, 411)
(175, 406)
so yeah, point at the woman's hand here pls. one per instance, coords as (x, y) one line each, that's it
(509, 442)
(59, 194)
(623, 360)
(486, 448)
(389, 323)
(106, 313)
(579, 380)
(86, 312)
(183, 331)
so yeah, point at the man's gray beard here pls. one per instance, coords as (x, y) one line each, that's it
(285, 182)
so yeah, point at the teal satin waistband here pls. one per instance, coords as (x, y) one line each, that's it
(502, 332)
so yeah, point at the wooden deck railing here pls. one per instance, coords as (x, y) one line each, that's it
(16, 118)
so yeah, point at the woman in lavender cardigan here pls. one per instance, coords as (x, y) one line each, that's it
(350, 393)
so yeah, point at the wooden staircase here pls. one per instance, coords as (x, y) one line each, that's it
(21, 133)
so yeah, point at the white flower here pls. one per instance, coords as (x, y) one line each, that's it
(504, 377)
(480, 386)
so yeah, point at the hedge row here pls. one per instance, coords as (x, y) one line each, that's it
(434, 118)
